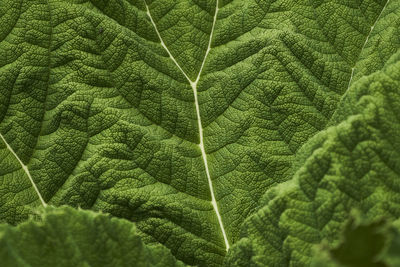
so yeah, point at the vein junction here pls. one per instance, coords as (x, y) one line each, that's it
(26, 170)
(193, 84)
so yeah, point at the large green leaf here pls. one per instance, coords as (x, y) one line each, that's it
(68, 237)
(177, 115)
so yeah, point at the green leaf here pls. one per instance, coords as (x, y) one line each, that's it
(364, 243)
(179, 115)
(392, 254)
(351, 164)
(69, 237)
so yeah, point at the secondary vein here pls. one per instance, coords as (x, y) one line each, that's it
(193, 84)
(366, 41)
(25, 168)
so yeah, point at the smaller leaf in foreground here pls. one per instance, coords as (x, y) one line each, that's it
(69, 237)
(364, 243)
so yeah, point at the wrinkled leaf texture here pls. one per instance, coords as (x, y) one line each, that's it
(284, 112)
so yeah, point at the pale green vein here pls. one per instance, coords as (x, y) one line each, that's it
(366, 41)
(25, 168)
(193, 84)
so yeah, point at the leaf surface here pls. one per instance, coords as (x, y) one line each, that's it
(353, 164)
(372, 243)
(68, 237)
(177, 115)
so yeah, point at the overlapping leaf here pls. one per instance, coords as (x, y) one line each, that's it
(69, 237)
(352, 164)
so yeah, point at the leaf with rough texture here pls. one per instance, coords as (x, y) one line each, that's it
(365, 240)
(68, 237)
(351, 164)
(370, 243)
(180, 115)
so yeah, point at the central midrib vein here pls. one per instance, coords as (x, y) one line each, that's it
(193, 84)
